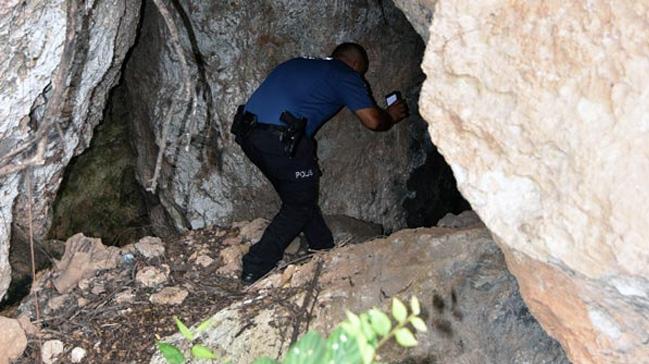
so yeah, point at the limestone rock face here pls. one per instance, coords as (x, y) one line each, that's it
(53, 50)
(473, 310)
(206, 179)
(541, 110)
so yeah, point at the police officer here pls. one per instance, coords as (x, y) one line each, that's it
(279, 122)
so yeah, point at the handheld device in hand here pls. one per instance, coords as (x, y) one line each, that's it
(392, 97)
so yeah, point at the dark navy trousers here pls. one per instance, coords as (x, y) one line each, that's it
(296, 181)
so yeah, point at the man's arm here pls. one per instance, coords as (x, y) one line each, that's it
(377, 119)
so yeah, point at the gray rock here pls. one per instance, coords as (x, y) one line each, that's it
(474, 311)
(351, 230)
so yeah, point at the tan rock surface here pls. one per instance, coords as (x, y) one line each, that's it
(12, 341)
(541, 110)
(483, 318)
(83, 257)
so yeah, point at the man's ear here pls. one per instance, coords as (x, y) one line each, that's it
(358, 66)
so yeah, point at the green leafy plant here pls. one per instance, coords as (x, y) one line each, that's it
(357, 339)
(173, 355)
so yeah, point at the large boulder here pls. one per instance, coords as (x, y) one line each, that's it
(230, 47)
(541, 110)
(58, 61)
(471, 302)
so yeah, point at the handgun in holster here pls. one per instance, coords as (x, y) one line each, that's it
(244, 122)
(293, 134)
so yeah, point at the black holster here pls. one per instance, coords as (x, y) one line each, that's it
(244, 122)
(293, 134)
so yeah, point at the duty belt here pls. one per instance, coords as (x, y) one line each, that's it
(276, 129)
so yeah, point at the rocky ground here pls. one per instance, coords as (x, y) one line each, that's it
(111, 305)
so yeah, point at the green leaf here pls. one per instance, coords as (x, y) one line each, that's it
(202, 352)
(184, 331)
(342, 348)
(204, 325)
(380, 322)
(405, 337)
(367, 351)
(367, 330)
(418, 324)
(414, 305)
(265, 360)
(308, 350)
(172, 354)
(353, 319)
(399, 310)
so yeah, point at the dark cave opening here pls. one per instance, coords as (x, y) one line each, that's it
(99, 195)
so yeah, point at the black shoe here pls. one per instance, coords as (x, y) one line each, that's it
(248, 278)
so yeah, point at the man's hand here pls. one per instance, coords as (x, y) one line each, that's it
(377, 119)
(398, 111)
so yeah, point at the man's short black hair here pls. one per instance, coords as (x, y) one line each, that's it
(346, 50)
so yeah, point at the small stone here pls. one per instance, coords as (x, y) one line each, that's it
(29, 328)
(288, 274)
(129, 248)
(231, 259)
(84, 284)
(240, 224)
(81, 301)
(169, 296)
(464, 219)
(12, 341)
(204, 260)
(150, 276)
(253, 231)
(51, 350)
(150, 247)
(57, 302)
(98, 289)
(126, 296)
(232, 241)
(293, 247)
(77, 355)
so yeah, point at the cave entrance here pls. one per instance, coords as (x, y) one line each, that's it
(99, 195)
(102, 195)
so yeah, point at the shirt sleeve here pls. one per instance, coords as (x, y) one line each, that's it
(354, 92)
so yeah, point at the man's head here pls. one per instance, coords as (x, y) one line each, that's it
(353, 55)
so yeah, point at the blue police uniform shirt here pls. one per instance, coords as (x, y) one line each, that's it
(312, 88)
